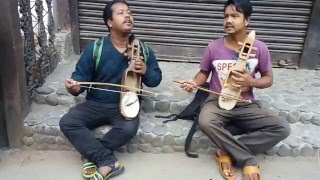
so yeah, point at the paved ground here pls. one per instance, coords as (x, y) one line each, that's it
(65, 165)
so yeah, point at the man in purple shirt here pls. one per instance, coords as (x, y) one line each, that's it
(260, 130)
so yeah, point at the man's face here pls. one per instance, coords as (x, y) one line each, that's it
(122, 19)
(234, 21)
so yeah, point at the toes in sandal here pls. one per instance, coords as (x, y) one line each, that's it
(249, 170)
(225, 159)
(114, 172)
(86, 166)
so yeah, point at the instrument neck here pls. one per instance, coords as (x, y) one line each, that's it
(231, 41)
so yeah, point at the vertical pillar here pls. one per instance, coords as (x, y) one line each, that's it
(74, 17)
(310, 57)
(61, 14)
(12, 72)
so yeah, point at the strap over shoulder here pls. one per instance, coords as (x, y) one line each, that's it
(97, 51)
(145, 51)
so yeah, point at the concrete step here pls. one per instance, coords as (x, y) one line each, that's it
(42, 133)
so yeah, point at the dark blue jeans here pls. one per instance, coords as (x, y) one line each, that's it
(77, 124)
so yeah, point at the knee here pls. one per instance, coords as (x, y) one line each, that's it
(64, 123)
(203, 123)
(206, 118)
(284, 129)
(208, 124)
(129, 131)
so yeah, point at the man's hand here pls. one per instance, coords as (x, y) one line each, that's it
(72, 86)
(140, 67)
(242, 79)
(188, 85)
(127, 53)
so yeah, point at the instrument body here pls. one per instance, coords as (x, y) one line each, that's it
(129, 105)
(228, 103)
(131, 79)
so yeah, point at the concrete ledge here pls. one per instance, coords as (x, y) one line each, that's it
(42, 133)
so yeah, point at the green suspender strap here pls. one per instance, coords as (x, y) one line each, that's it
(97, 50)
(145, 52)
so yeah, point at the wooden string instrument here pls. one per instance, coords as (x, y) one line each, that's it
(226, 102)
(129, 77)
(131, 81)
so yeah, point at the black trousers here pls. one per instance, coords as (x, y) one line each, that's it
(77, 124)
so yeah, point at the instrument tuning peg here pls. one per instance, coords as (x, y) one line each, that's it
(252, 55)
(254, 48)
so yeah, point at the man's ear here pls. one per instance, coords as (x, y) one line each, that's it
(109, 23)
(247, 22)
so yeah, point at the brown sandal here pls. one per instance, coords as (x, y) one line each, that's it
(249, 170)
(227, 160)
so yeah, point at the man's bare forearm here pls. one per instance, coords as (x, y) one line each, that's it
(201, 77)
(265, 81)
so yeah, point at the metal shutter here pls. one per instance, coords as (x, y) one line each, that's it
(179, 31)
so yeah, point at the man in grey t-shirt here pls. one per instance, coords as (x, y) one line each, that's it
(260, 130)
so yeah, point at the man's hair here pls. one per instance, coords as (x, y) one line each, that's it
(107, 12)
(243, 6)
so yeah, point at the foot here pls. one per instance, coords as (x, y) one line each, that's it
(225, 166)
(105, 170)
(251, 173)
(89, 171)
